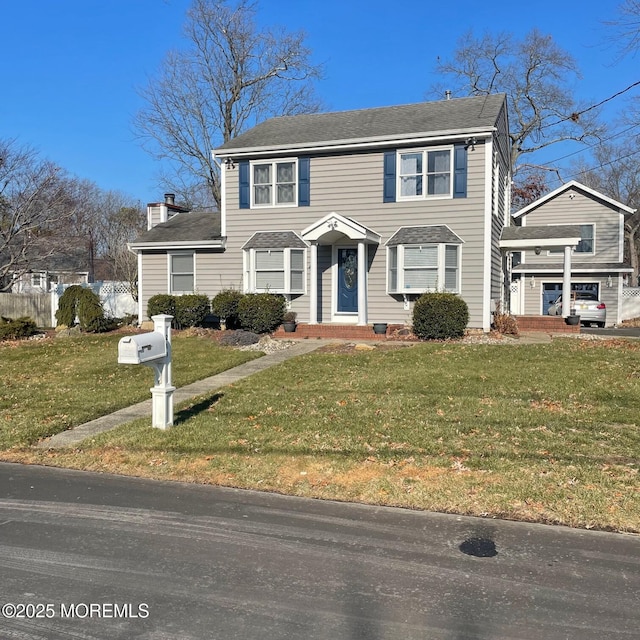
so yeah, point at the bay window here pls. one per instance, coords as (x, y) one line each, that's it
(420, 268)
(275, 270)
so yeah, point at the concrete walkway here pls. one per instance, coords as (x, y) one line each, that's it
(201, 387)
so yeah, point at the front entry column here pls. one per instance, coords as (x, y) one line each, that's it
(313, 291)
(362, 283)
(566, 282)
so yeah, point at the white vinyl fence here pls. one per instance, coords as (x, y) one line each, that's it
(630, 303)
(115, 297)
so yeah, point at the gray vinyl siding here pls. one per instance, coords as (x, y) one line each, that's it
(579, 209)
(351, 185)
(154, 277)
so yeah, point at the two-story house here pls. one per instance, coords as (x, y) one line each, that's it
(572, 237)
(350, 215)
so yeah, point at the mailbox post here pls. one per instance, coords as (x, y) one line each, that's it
(154, 350)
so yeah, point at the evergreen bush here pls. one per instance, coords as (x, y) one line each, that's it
(161, 304)
(82, 303)
(225, 306)
(191, 310)
(261, 312)
(18, 328)
(440, 316)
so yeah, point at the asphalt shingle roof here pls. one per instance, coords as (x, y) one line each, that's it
(542, 232)
(428, 118)
(275, 240)
(198, 226)
(432, 234)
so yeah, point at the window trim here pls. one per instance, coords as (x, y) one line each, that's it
(560, 251)
(273, 184)
(171, 273)
(249, 268)
(425, 173)
(441, 268)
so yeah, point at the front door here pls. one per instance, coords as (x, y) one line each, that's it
(347, 280)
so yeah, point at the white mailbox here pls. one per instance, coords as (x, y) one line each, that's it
(142, 348)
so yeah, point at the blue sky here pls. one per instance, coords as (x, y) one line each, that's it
(72, 66)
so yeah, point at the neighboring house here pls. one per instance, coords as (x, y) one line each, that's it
(573, 237)
(351, 215)
(54, 261)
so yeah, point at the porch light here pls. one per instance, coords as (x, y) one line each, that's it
(532, 282)
(609, 282)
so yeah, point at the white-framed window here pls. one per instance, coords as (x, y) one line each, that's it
(37, 280)
(425, 174)
(181, 272)
(420, 268)
(587, 244)
(275, 270)
(274, 184)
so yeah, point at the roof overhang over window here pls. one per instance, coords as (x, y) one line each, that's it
(334, 227)
(540, 237)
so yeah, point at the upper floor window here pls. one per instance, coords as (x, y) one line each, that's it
(426, 174)
(587, 241)
(37, 280)
(181, 272)
(274, 183)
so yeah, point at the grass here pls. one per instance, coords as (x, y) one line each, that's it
(544, 433)
(52, 385)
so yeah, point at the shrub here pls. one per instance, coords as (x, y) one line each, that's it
(439, 316)
(504, 322)
(239, 338)
(68, 306)
(261, 312)
(162, 303)
(83, 304)
(18, 328)
(191, 310)
(225, 306)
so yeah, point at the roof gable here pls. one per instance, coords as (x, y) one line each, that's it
(577, 186)
(420, 120)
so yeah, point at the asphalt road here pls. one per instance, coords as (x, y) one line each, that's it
(87, 556)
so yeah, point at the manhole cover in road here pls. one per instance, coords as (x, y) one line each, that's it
(479, 547)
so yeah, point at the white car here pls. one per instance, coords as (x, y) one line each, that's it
(586, 305)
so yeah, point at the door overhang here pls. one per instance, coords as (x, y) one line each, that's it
(335, 227)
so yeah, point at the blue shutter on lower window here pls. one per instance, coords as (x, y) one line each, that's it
(459, 171)
(244, 184)
(304, 181)
(389, 184)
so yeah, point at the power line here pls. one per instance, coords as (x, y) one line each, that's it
(597, 144)
(606, 164)
(575, 116)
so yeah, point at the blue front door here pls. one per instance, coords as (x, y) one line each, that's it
(347, 281)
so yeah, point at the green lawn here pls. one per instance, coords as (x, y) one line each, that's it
(546, 433)
(51, 385)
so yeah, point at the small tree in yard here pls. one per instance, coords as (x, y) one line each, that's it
(83, 304)
(440, 316)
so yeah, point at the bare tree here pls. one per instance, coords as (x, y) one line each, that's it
(33, 197)
(536, 75)
(617, 175)
(230, 76)
(626, 27)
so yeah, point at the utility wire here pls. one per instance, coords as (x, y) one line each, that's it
(575, 116)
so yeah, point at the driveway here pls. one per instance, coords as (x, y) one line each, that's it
(630, 332)
(90, 556)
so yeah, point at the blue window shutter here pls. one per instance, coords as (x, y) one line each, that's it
(304, 181)
(389, 186)
(460, 171)
(244, 184)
